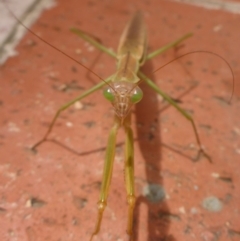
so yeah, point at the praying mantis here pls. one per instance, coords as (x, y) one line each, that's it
(122, 117)
(123, 92)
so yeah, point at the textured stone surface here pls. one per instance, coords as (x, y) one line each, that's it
(52, 195)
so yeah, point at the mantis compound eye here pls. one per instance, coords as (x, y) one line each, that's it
(108, 94)
(136, 95)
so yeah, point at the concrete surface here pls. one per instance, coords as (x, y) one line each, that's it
(11, 31)
(52, 195)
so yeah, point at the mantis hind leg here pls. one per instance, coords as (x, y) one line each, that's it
(93, 42)
(182, 111)
(64, 107)
(168, 46)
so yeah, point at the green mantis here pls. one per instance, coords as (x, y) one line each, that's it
(122, 90)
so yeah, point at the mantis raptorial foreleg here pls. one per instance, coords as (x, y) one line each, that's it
(129, 175)
(107, 173)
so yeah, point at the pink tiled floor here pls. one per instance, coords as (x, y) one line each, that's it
(52, 195)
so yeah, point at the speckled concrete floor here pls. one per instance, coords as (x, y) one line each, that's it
(52, 195)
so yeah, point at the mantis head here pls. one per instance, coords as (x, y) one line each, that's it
(123, 95)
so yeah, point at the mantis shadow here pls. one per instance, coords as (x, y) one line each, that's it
(149, 139)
